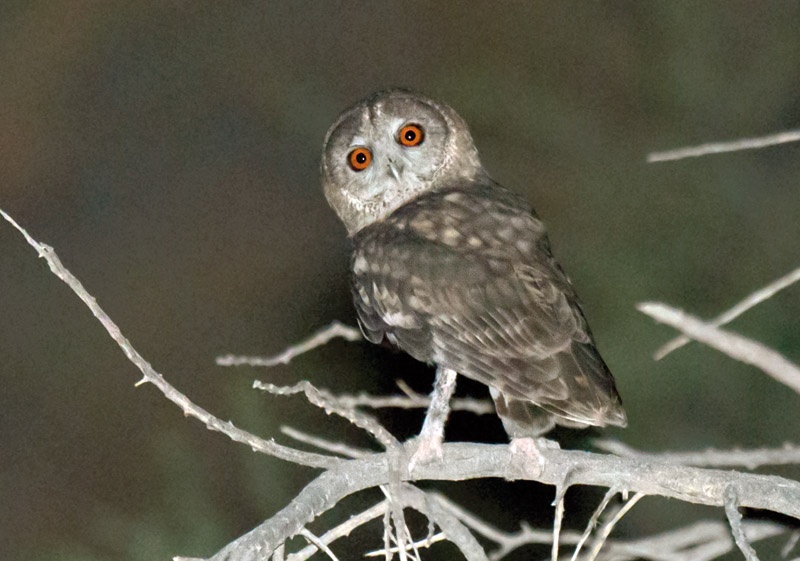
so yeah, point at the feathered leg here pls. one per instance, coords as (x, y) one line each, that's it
(432, 434)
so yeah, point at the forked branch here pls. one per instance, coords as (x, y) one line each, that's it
(461, 461)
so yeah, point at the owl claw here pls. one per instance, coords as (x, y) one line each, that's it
(429, 449)
(526, 455)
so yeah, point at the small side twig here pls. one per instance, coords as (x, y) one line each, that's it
(340, 448)
(721, 147)
(506, 542)
(606, 530)
(558, 518)
(318, 543)
(704, 540)
(412, 400)
(427, 542)
(790, 543)
(729, 315)
(328, 402)
(735, 521)
(321, 337)
(342, 530)
(734, 345)
(590, 526)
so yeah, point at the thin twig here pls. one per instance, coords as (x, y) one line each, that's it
(387, 540)
(734, 345)
(328, 402)
(558, 518)
(412, 400)
(342, 530)
(735, 521)
(341, 448)
(727, 316)
(427, 542)
(788, 454)
(700, 541)
(321, 337)
(606, 531)
(790, 543)
(507, 542)
(720, 147)
(318, 543)
(398, 521)
(149, 375)
(590, 526)
(456, 532)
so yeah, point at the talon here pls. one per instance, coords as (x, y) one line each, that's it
(526, 455)
(428, 451)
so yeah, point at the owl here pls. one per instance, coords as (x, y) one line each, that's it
(456, 270)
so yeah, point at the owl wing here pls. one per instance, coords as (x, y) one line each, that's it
(466, 279)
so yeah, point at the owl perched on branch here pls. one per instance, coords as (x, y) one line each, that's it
(457, 271)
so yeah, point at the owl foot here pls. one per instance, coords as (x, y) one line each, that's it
(526, 456)
(429, 449)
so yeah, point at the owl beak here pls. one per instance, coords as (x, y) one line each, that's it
(395, 170)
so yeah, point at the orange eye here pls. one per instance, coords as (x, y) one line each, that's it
(359, 159)
(411, 135)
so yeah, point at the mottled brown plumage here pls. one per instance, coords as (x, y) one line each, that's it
(457, 271)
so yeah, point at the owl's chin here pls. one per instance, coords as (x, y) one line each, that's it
(363, 211)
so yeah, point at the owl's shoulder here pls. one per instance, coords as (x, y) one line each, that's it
(476, 220)
(474, 216)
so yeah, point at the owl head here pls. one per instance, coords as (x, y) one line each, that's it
(388, 149)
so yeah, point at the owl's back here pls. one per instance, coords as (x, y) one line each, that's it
(463, 277)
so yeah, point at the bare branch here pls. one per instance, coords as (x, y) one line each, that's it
(452, 527)
(342, 530)
(721, 147)
(427, 542)
(590, 526)
(752, 300)
(335, 447)
(412, 400)
(701, 541)
(317, 543)
(789, 454)
(507, 542)
(328, 402)
(790, 543)
(469, 461)
(321, 337)
(149, 375)
(606, 531)
(558, 519)
(737, 347)
(644, 476)
(735, 520)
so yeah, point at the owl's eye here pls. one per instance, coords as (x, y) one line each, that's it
(411, 135)
(359, 159)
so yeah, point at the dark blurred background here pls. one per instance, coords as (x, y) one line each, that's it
(169, 152)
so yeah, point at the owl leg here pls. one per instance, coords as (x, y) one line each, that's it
(521, 419)
(432, 433)
(524, 423)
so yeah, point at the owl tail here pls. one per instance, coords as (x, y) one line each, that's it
(521, 419)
